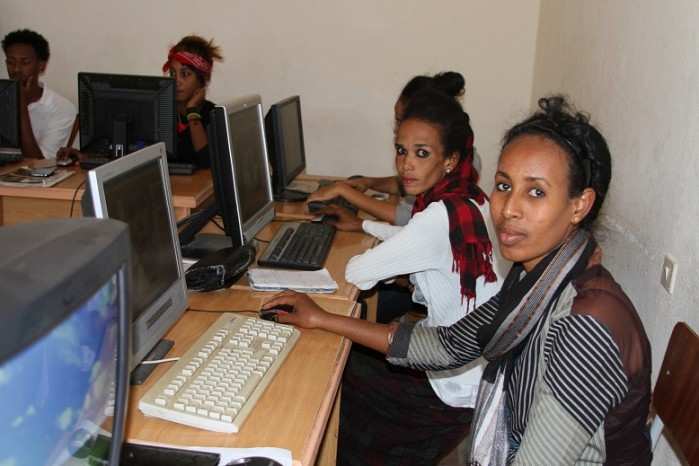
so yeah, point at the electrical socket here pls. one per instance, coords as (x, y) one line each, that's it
(669, 273)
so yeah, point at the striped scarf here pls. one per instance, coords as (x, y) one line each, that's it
(468, 235)
(524, 302)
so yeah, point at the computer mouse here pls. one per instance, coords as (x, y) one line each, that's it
(269, 314)
(254, 461)
(65, 162)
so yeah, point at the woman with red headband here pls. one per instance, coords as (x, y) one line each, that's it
(190, 62)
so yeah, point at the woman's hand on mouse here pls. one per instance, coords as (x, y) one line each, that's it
(346, 220)
(307, 313)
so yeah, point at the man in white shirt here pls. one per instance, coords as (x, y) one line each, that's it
(46, 118)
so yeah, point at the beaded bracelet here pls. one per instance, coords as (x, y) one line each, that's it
(193, 116)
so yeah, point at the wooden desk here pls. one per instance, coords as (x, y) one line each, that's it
(23, 204)
(293, 412)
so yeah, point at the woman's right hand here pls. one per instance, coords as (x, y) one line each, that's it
(306, 313)
(346, 220)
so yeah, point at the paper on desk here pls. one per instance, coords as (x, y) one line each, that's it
(316, 281)
(302, 187)
(19, 178)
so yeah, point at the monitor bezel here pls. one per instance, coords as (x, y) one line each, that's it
(282, 174)
(10, 112)
(174, 301)
(226, 181)
(93, 250)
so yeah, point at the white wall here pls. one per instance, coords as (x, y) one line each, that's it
(347, 59)
(634, 66)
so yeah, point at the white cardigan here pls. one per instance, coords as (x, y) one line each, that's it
(422, 249)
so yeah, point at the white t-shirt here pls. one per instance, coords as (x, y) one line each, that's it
(422, 249)
(52, 118)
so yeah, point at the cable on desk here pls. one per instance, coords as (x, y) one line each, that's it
(75, 194)
(159, 361)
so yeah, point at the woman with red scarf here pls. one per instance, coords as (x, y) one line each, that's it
(400, 416)
(190, 62)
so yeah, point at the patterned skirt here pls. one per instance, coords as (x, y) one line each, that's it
(390, 415)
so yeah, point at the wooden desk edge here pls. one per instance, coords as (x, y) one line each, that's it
(322, 417)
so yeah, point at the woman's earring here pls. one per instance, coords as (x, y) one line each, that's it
(576, 220)
(448, 170)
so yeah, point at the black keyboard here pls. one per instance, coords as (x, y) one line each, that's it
(302, 246)
(88, 163)
(182, 168)
(341, 201)
(9, 156)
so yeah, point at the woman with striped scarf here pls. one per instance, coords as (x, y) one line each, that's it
(568, 374)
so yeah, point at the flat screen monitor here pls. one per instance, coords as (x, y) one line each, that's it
(120, 114)
(136, 190)
(240, 171)
(287, 154)
(9, 114)
(64, 341)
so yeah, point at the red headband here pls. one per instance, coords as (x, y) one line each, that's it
(187, 58)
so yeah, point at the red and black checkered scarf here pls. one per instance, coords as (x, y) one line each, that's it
(468, 235)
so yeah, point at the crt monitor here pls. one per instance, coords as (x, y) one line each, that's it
(123, 113)
(64, 341)
(136, 190)
(242, 185)
(287, 156)
(9, 111)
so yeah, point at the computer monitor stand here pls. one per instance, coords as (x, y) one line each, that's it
(204, 244)
(142, 371)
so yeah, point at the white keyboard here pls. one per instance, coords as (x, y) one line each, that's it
(218, 381)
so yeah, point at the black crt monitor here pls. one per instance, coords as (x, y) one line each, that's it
(120, 114)
(240, 172)
(136, 190)
(287, 154)
(9, 115)
(64, 341)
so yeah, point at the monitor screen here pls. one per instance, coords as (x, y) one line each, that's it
(287, 154)
(9, 109)
(64, 341)
(121, 113)
(242, 185)
(136, 190)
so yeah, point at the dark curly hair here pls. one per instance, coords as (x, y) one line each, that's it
(589, 160)
(449, 82)
(26, 36)
(446, 114)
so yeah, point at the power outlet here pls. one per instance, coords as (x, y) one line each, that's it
(669, 273)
